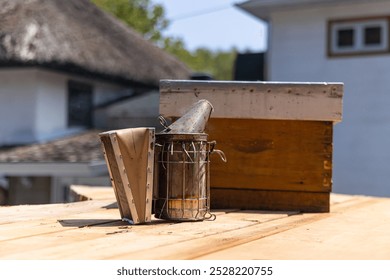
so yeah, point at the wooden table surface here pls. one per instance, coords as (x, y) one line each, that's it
(357, 227)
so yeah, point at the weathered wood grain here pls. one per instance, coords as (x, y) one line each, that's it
(58, 224)
(270, 200)
(359, 233)
(23, 213)
(111, 240)
(357, 227)
(288, 162)
(272, 155)
(82, 193)
(255, 100)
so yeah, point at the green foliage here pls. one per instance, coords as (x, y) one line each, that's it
(149, 19)
(217, 63)
(142, 15)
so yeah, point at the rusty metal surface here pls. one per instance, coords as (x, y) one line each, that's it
(183, 177)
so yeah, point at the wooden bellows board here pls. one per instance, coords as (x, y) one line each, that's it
(129, 154)
(278, 139)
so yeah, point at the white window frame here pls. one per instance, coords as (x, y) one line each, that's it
(358, 47)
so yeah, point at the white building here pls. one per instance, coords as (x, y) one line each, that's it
(339, 41)
(39, 104)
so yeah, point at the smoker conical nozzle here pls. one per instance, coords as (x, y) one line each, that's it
(194, 121)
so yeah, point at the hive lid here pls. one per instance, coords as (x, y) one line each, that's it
(304, 101)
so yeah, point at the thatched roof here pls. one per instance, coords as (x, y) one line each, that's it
(75, 35)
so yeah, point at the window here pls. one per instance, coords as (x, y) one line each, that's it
(79, 104)
(358, 36)
(345, 37)
(372, 35)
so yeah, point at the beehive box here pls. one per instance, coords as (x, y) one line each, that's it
(277, 137)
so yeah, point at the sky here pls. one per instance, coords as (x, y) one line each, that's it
(215, 24)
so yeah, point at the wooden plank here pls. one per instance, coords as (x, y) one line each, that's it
(198, 247)
(87, 240)
(272, 154)
(82, 193)
(23, 213)
(270, 200)
(60, 223)
(361, 233)
(272, 235)
(112, 240)
(255, 100)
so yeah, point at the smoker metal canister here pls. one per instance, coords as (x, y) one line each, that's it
(182, 166)
(183, 171)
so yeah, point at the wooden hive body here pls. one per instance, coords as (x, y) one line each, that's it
(278, 139)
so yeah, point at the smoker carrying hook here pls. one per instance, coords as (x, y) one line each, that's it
(163, 121)
(219, 152)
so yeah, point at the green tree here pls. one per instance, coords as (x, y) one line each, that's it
(149, 19)
(217, 63)
(145, 17)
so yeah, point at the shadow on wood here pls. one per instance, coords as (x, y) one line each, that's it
(80, 223)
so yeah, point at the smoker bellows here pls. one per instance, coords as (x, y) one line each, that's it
(167, 173)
